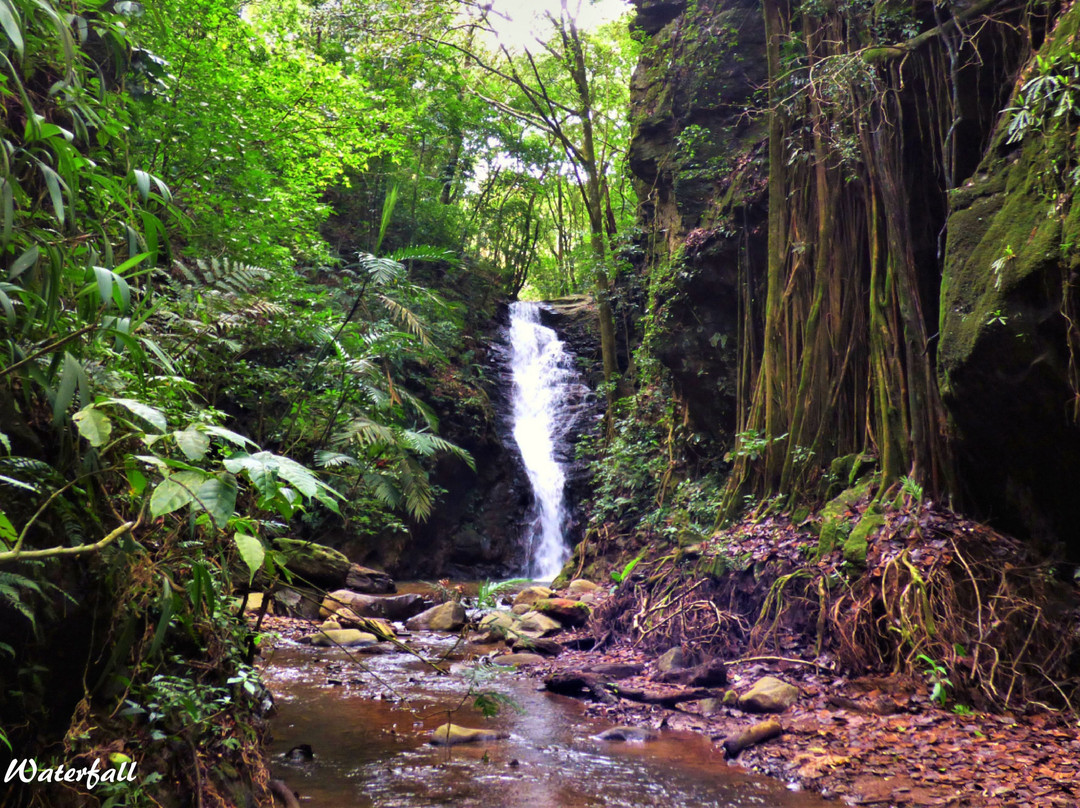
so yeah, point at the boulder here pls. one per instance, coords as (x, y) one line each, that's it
(627, 734)
(519, 660)
(376, 625)
(368, 581)
(448, 617)
(614, 671)
(579, 587)
(330, 624)
(708, 674)
(529, 595)
(452, 734)
(313, 563)
(567, 612)
(297, 602)
(670, 660)
(388, 607)
(345, 637)
(769, 695)
(521, 608)
(496, 626)
(537, 645)
(539, 623)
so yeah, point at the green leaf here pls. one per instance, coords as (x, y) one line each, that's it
(167, 607)
(71, 376)
(94, 425)
(144, 412)
(142, 180)
(56, 193)
(227, 434)
(252, 551)
(9, 21)
(7, 199)
(217, 496)
(175, 492)
(193, 443)
(8, 534)
(24, 262)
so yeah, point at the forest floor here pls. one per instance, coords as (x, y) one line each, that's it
(875, 740)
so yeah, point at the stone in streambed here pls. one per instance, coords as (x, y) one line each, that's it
(708, 674)
(540, 623)
(446, 617)
(496, 626)
(769, 695)
(613, 671)
(627, 734)
(672, 659)
(529, 596)
(389, 607)
(538, 645)
(567, 612)
(519, 660)
(368, 581)
(345, 637)
(453, 734)
(579, 587)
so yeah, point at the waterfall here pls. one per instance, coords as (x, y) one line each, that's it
(545, 389)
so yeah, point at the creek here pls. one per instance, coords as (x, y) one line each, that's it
(370, 742)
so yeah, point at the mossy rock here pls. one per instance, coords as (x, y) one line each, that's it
(855, 545)
(836, 527)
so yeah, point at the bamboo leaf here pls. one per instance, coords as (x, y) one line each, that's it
(24, 262)
(9, 21)
(142, 181)
(167, 607)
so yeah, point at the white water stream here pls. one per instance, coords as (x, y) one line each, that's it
(543, 414)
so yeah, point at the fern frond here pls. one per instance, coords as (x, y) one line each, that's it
(422, 253)
(331, 460)
(406, 318)
(383, 271)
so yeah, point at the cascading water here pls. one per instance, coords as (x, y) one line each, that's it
(545, 385)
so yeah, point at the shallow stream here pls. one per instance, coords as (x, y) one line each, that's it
(372, 750)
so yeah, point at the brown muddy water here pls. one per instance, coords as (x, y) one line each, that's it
(371, 745)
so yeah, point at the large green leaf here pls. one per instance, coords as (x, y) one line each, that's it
(175, 492)
(218, 497)
(153, 417)
(9, 21)
(193, 443)
(93, 424)
(252, 551)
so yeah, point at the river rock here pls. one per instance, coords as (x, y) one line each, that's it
(448, 617)
(579, 587)
(314, 563)
(538, 645)
(567, 612)
(389, 607)
(345, 637)
(540, 623)
(254, 602)
(708, 674)
(496, 626)
(452, 734)
(297, 602)
(529, 595)
(368, 581)
(521, 608)
(519, 660)
(613, 671)
(670, 660)
(627, 734)
(330, 624)
(378, 626)
(768, 695)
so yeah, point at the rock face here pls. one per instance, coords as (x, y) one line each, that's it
(700, 168)
(1009, 327)
(446, 617)
(769, 695)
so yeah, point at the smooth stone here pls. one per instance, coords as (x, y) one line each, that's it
(670, 660)
(446, 617)
(452, 734)
(521, 608)
(710, 706)
(330, 624)
(769, 695)
(518, 660)
(390, 607)
(314, 563)
(580, 587)
(294, 602)
(346, 637)
(540, 623)
(617, 670)
(567, 612)
(368, 581)
(537, 645)
(529, 595)
(375, 625)
(628, 734)
(496, 626)
(708, 674)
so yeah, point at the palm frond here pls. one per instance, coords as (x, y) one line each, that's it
(406, 318)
